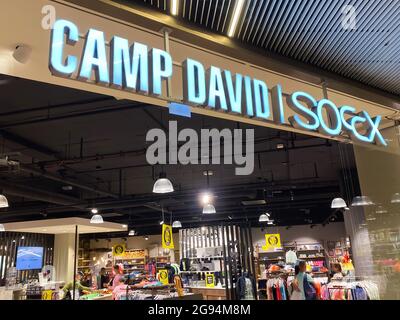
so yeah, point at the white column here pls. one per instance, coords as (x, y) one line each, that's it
(64, 256)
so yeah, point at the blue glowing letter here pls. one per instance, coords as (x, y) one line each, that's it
(333, 117)
(57, 66)
(235, 94)
(277, 104)
(261, 99)
(194, 82)
(249, 96)
(353, 121)
(216, 89)
(127, 73)
(374, 135)
(94, 57)
(161, 68)
(342, 111)
(294, 103)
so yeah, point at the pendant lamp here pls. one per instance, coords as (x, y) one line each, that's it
(380, 210)
(338, 203)
(209, 209)
(177, 224)
(360, 201)
(3, 201)
(263, 218)
(96, 219)
(163, 185)
(395, 198)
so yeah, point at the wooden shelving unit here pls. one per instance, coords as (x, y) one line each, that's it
(161, 261)
(133, 260)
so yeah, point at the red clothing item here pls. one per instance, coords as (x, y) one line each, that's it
(278, 293)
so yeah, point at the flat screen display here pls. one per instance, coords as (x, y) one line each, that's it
(29, 258)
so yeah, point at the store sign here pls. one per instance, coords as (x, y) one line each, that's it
(210, 280)
(137, 68)
(47, 294)
(167, 239)
(163, 275)
(118, 250)
(272, 242)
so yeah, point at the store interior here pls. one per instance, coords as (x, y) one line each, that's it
(70, 157)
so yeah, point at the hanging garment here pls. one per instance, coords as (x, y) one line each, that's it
(185, 264)
(242, 287)
(291, 257)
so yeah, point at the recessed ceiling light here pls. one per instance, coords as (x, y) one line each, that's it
(124, 226)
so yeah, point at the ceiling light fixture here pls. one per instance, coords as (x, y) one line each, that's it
(3, 201)
(280, 146)
(263, 218)
(270, 222)
(174, 7)
(2, 229)
(96, 219)
(338, 203)
(395, 198)
(235, 17)
(209, 209)
(94, 210)
(163, 185)
(177, 224)
(146, 238)
(360, 201)
(206, 198)
(131, 232)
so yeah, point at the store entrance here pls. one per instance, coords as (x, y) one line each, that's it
(189, 229)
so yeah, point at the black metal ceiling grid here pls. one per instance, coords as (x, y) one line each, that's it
(311, 31)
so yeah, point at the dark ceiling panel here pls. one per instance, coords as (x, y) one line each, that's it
(312, 32)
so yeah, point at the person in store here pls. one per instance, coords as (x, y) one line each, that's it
(78, 286)
(120, 288)
(103, 279)
(303, 285)
(336, 271)
(116, 279)
(86, 280)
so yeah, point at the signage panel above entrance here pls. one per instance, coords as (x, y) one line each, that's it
(134, 67)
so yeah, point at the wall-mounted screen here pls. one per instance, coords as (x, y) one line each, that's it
(29, 258)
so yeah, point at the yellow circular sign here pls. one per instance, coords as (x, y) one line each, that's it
(273, 240)
(167, 236)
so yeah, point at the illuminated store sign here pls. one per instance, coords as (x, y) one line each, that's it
(137, 68)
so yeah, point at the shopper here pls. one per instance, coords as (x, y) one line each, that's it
(303, 283)
(103, 279)
(117, 276)
(78, 286)
(120, 289)
(337, 273)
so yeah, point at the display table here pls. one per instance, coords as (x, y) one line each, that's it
(103, 297)
(216, 293)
